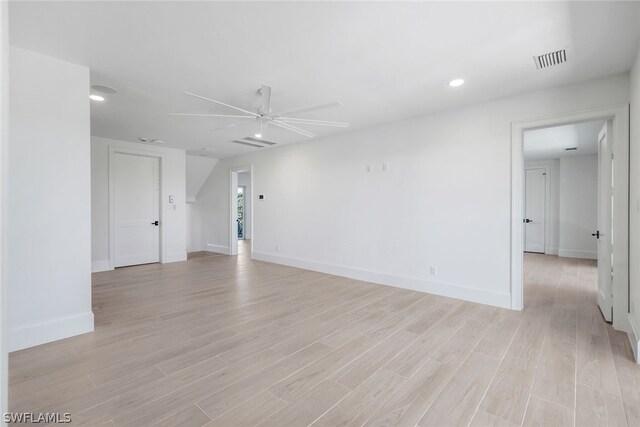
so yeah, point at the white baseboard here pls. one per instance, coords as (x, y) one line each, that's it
(552, 251)
(634, 337)
(175, 257)
(98, 266)
(572, 253)
(51, 330)
(218, 249)
(481, 296)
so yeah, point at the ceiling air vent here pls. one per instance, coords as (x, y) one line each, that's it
(571, 149)
(259, 141)
(550, 59)
(237, 141)
(253, 142)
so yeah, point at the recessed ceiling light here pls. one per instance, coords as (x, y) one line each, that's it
(158, 141)
(258, 135)
(143, 139)
(96, 98)
(456, 82)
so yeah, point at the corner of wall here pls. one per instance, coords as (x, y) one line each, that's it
(219, 249)
(634, 337)
(50, 330)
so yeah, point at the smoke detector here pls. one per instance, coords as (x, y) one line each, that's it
(551, 59)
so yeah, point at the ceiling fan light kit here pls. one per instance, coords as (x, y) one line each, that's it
(264, 116)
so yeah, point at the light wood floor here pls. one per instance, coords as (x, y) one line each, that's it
(226, 341)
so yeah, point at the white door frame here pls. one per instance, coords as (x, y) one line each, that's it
(619, 114)
(112, 211)
(547, 213)
(233, 207)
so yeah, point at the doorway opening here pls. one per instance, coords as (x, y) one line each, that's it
(563, 205)
(240, 219)
(241, 209)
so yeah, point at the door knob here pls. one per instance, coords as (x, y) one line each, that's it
(596, 234)
(527, 221)
(156, 223)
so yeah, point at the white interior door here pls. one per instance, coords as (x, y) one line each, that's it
(136, 208)
(534, 210)
(603, 234)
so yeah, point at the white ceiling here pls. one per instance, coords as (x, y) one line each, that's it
(550, 143)
(384, 61)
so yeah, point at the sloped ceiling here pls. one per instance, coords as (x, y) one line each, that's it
(198, 170)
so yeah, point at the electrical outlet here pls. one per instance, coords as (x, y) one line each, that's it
(384, 167)
(277, 248)
(433, 271)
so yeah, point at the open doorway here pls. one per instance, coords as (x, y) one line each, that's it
(567, 200)
(241, 209)
(564, 209)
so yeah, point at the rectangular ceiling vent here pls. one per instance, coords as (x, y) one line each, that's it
(253, 142)
(571, 149)
(259, 140)
(550, 59)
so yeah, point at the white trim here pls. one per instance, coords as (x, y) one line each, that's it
(634, 337)
(233, 206)
(112, 229)
(98, 266)
(620, 116)
(50, 330)
(574, 253)
(498, 299)
(191, 199)
(175, 257)
(218, 249)
(552, 250)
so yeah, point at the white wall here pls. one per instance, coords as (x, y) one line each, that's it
(48, 205)
(4, 143)
(553, 202)
(174, 223)
(634, 207)
(578, 216)
(444, 200)
(244, 180)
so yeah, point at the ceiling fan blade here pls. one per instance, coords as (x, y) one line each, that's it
(265, 92)
(292, 128)
(301, 119)
(307, 109)
(211, 115)
(222, 103)
(341, 125)
(313, 122)
(229, 126)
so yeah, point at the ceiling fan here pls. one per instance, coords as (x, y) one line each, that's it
(265, 117)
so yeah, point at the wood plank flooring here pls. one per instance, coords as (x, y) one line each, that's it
(227, 341)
